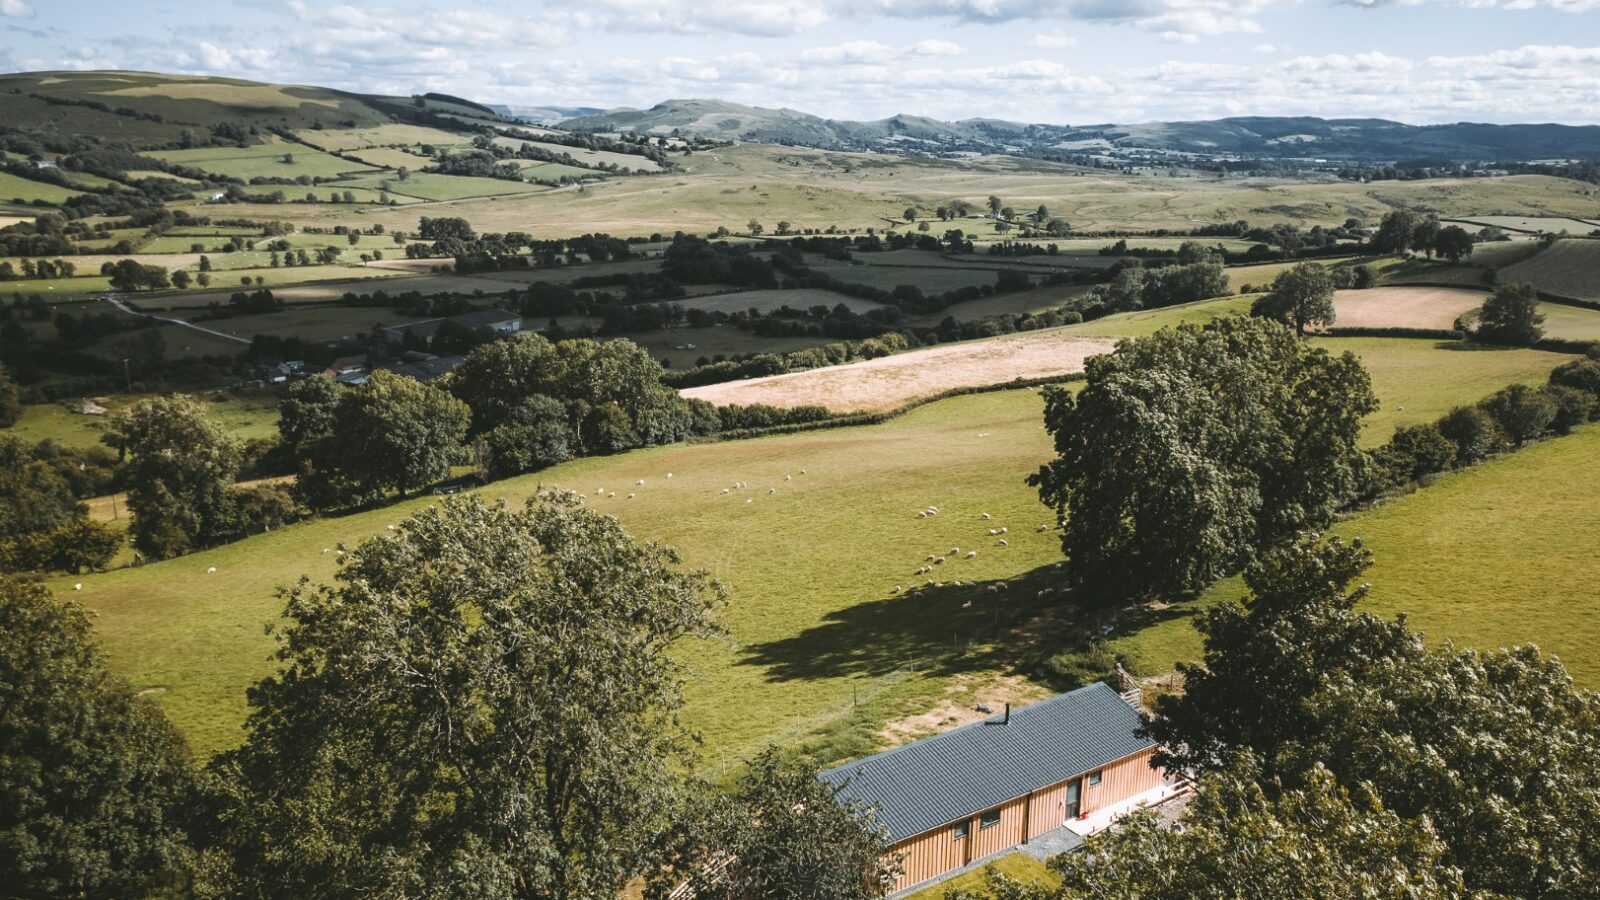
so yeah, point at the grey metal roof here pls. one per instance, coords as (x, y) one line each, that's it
(959, 773)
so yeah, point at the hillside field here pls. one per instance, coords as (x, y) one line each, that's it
(812, 567)
(1494, 555)
(1568, 268)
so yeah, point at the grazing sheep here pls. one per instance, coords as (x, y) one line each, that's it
(1043, 528)
(211, 571)
(993, 532)
(326, 550)
(669, 474)
(1004, 529)
(938, 584)
(930, 557)
(972, 554)
(934, 510)
(639, 482)
(922, 515)
(612, 495)
(725, 490)
(802, 471)
(896, 589)
(938, 560)
(1002, 542)
(955, 551)
(1002, 586)
(772, 491)
(630, 495)
(986, 517)
(390, 527)
(967, 605)
(749, 499)
(78, 586)
(786, 478)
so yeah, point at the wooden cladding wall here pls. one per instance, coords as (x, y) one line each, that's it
(1121, 780)
(933, 853)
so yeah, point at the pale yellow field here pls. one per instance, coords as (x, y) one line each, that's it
(1404, 307)
(893, 381)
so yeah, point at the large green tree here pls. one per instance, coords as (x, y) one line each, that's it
(1188, 451)
(1395, 231)
(94, 782)
(391, 433)
(1495, 749)
(306, 411)
(181, 466)
(1238, 840)
(781, 834)
(1300, 296)
(483, 706)
(1511, 315)
(1453, 243)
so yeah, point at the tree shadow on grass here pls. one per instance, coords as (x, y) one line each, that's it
(951, 630)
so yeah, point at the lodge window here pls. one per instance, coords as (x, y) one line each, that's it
(1094, 778)
(989, 819)
(960, 831)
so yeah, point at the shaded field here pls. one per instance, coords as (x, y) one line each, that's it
(253, 416)
(276, 158)
(1034, 301)
(1534, 224)
(889, 382)
(1567, 268)
(673, 350)
(432, 186)
(585, 156)
(1491, 556)
(766, 301)
(928, 279)
(26, 190)
(380, 136)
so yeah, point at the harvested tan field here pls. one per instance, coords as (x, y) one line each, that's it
(893, 381)
(1404, 307)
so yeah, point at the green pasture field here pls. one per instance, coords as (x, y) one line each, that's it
(433, 186)
(246, 417)
(801, 645)
(388, 135)
(333, 192)
(766, 301)
(1035, 301)
(1567, 268)
(1490, 556)
(314, 322)
(311, 241)
(141, 174)
(78, 287)
(390, 157)
(1532, 224)
(708, 342)
(1572, 323)
(1421, 271)
(89, 180)
(16, 188)
(263, 161)
(930, 279)
(1146, 322)
(1258, 277)
(214, 230)
(587, 157)
(550, 171)
(211, 244)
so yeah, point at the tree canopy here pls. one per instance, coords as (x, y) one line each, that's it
(483, 705)
(1511, 315)
(181, 466)
(1300, 296)
(94, 782)
(1188, 451)
(390, 433)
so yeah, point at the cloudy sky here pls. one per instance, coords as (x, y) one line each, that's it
(1060, 61)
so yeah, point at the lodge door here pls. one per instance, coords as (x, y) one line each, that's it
(1074, 798)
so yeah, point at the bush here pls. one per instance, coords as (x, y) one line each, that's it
(534, 436)
(1416, 451)
(1474, 433)
(1078, 668)
(1573, 407)
(1524, 413)
(1582, 374)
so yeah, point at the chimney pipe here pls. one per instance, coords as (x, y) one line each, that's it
(1007, 719)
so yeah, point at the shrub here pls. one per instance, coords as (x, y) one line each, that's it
(1416, 451)
(1582, 374)
(1524, 413)
(1573, 407)
(1474, 433)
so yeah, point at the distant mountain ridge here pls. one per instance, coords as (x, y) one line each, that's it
(1247, 136)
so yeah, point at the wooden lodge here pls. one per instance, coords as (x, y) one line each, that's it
(958, 797)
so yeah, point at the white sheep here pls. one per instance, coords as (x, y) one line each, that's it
(955, 551)
(787, 478)
(612, 495)
(972, 554)
(930, 557)
(390, 527)
(669, 474)
(967, 605)
(211, 571)
(1002, 543)
(922, 515)
(1004, 529)
(1043, 528)
(326, 551)
(993, 532)
(749, 499)
(772, 491)
(1001, 585)
(802, 471)
(938, 560)
(78, 586)
(897, 589)
(638, 483)
(725, 490)
(630, 496)
(986, 516)
(934, 510)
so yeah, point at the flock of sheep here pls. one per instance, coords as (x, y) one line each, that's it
(939, 559)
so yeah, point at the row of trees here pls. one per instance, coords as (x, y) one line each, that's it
(482, 705)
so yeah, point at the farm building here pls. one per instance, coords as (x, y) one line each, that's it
(1072, 761)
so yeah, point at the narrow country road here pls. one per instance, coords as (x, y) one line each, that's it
(116, 301)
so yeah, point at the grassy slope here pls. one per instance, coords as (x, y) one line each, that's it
(813, 619)
(1018, 866)
(1566, 269)
(244, 417)
(1489, 556)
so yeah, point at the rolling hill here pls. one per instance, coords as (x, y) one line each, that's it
(1350, 139)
